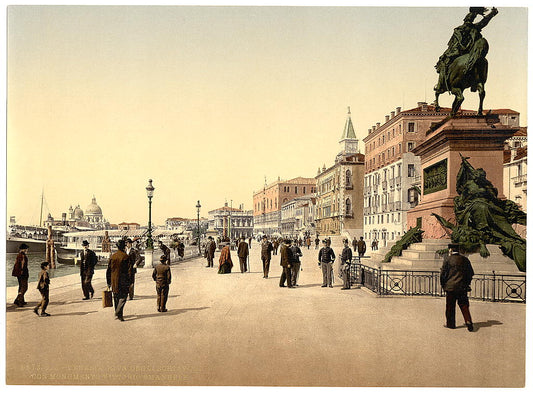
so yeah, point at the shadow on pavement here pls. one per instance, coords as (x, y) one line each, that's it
(161, 314)
(478, 325)
(53, 315)
(153, 296)
(310, 285)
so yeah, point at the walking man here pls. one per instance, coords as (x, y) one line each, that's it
(326, 257)
(295, 270)
(361, 247)
(242, 252)
(317, 242)
(135, 259)
(286, 261)
(88, 260)
(118, 278)
(346, 260)
(455, 277)
(20, 270)
(275, 244)
(162, 277)
(43, 285)
(266, 255)
(210, 251)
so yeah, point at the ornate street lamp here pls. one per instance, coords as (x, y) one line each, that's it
(198, 206)
(149, 242)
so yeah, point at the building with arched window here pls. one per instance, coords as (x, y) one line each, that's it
(339, 196)
(269, 200)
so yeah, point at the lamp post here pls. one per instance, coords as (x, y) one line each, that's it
(149, 251)
(198, 206)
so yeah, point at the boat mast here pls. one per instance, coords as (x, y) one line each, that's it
(41, 215)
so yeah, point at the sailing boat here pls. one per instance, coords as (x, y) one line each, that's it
(33, 236)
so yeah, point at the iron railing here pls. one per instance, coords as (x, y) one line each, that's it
(485, 287)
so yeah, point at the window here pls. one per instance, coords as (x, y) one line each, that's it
(399, 148)
(410, 146)
(296, 190)
(410, 127)
(393, 151)
(304, 190)
(410, 170)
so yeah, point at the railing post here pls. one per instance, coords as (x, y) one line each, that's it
(493, 286)
(379, 281)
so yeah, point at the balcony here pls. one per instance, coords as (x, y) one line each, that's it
(349, 186)
(398, 180)
(349, 215)
(384, 184)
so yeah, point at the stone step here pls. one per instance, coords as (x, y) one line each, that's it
(420, 254)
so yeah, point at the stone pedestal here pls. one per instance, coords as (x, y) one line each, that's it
(148, 258)
(479, 137)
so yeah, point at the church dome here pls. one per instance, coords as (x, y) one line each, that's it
(93, 208)
(78, 213)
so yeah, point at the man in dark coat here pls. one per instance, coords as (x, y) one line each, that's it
(295, 266)
(455, 277)
(43, 285)
(346, 260)
(118, 278)
(166, 251)
(275, 245)
(210, 251)
(361, 247)
(242, 252)
(135, 259)
(162, 277)
(266, 255)
(286, 261)
(317, 242)
(20, 270)
(326, 257)
(88, 260)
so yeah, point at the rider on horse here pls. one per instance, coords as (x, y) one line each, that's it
(462, 42)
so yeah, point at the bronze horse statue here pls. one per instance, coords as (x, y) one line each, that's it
(462, 76)
(464, 64)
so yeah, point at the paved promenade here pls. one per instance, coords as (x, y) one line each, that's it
(241, 329)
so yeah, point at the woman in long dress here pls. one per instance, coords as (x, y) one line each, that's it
(224, 262)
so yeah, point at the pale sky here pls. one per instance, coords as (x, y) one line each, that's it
(207, 101)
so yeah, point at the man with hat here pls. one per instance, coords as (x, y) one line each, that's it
(162, 277)
(266, 255)
(242, 252)
(210, 251)
(326, 257)
(135, 259)
(346, 260)
(20, 270)
(286, 262)
(118, 278)
(166, 251)
(455, 277)
(88, 260)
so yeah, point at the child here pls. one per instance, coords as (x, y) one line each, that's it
(162, 277)
(43, 285)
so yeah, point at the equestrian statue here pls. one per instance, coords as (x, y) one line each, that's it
(464, 64)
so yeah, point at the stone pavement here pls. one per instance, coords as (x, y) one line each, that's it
(241, 329)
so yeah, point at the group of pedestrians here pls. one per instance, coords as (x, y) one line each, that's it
(455, 277)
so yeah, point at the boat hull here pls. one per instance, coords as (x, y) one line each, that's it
(35, 246)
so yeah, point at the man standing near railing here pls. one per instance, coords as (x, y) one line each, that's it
(346, 260)
(326, 257)
(455, 277)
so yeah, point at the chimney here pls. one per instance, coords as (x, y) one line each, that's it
(398, 110)
(378, 124)
(392, 114)
(423, 106)
(369, 131)
(386, 118)
(373, 128)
